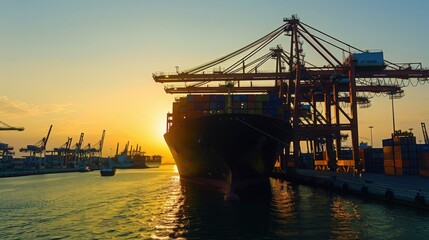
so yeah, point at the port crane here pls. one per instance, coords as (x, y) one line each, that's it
(322, 98)
(64, 152)
(425, 133)
(5, 149)
(38, 149)
(95, 153)
(78, 151)
(99, 144)
(7, 127)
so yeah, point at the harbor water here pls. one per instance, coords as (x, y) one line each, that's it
(156, 204)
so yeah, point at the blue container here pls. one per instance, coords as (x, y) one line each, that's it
(243, 98)
(422, 147)
(198, 105)
(387, 142)
(369, 59)
(236, 98)
(190, 98)
(213, 105)
(273, 97)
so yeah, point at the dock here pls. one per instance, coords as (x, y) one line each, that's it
(29, 172)
(410, 190)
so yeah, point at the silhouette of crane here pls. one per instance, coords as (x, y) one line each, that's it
(7, 127)
(332, 88)
(425, 133)
(38, 149)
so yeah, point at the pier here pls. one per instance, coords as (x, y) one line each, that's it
(411, 190)
(28, 172)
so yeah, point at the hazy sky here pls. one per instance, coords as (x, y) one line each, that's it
(85, 66)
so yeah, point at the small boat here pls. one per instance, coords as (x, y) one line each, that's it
(107, 171)
(84, 169)
(107, 168)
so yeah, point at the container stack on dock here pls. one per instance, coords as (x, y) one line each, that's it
(423, 159)
(194, 106)
(400, 154)
(373, 159)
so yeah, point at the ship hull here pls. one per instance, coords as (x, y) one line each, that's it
(231, 151)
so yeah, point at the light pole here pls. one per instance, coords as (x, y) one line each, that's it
(371, 127)
(393, 114)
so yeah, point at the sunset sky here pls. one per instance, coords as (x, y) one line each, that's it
(85, 66)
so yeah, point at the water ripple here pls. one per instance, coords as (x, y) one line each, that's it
(156, 204)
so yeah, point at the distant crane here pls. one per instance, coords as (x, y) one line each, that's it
(94, 153)
(425, 133)
(64, 152)
(5, 149)
(7, 127)
(38, 148)
(101, 142)
(78, 150)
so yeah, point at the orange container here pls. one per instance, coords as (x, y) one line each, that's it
(388, 163)
(424, 172)
(399, 171)
(389, 170)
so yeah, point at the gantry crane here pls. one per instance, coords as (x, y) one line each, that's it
(425, 133)
(64, 152)
(7, 127)
(38, 149)
(5, 149)
(95, 153)
(322, 98)
(78, 151)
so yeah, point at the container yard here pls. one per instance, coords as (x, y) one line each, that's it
(38, 160)
(68, 157)
(317, 102)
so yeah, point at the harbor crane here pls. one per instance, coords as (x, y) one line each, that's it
(322, 97)
(5, 149)
(95, 153)
(78, 151)
(99, 144)
(425, 133)
(63, 152)
(7, 127)
(38, 149)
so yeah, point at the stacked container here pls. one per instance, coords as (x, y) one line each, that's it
(400, 155)
(423, 159)
(373, 159)
(194, 106)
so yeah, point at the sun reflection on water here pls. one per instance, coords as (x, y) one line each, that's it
(171, 222)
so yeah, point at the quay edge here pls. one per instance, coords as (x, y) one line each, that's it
(405, 190)
(30, 172)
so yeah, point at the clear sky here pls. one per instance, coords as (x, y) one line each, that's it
(85, 66)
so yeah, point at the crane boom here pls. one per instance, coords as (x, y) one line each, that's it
(425, 133)
(8, 127)
(47, 137)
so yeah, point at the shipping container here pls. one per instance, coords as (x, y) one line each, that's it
(193, 106)
(369, 59)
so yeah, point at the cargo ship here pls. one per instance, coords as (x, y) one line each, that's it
(136, 159)
(231, 141)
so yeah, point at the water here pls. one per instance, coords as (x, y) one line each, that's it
(156, 204)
